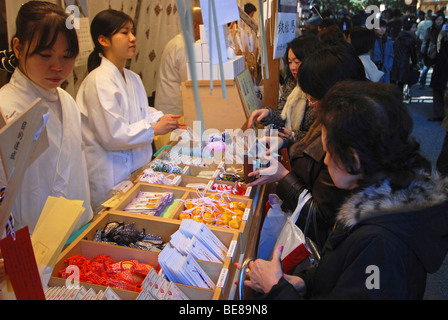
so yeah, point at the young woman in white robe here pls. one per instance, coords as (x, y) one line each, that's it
(46, 51)
(118, 125)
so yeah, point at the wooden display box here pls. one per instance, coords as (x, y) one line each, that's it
(85, 246)
(178, 193)
(183, 194)
(191, 175)
(208, 173)
(246, 223)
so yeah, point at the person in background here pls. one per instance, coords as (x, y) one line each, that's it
(343, 21)
(394, 225)
(423, 25)
(394, 25)
(250, 9)
(429, 47)
(439, 74)
(312, 23)
(173, 70)
(439, 82)
(295, 116)
(405, 55)
(363, 40)
(383, 52)
(118, 126)
(44, 54)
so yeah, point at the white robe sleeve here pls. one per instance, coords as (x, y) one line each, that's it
(109, 117)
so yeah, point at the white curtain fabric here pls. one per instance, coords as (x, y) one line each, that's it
(157, 23)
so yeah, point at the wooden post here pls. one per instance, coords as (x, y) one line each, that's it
(271, 85)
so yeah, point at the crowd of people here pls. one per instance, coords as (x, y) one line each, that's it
(403, 46)
(375, 199)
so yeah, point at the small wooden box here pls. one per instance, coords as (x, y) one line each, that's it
(248, 214)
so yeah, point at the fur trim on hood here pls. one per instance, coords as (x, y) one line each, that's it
(425, 191)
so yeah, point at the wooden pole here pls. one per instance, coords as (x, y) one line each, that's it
(271, 85)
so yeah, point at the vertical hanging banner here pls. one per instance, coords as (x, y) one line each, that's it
(285, 30)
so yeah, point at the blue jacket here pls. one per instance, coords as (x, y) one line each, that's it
(383, 54)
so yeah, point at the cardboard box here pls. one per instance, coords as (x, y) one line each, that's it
(206, 71)
(197, 47)
(199, 71)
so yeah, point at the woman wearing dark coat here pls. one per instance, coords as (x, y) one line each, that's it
(405, 53)
(439, 77)
(393, 230)
(428, 48)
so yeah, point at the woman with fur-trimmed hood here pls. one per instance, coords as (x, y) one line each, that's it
(393, 230)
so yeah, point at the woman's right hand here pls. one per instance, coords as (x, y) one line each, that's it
(168, 123)
(257, 116)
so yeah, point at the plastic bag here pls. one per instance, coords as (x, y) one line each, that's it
(293, 239)
(272, 226)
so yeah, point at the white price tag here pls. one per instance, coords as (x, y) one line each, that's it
(232, 248)
(222, 278)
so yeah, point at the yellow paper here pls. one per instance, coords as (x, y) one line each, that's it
(55, 225)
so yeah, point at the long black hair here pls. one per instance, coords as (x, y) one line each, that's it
(329, 63)
(371, 119)
(41, 22)
(106, 23)
(301, 47)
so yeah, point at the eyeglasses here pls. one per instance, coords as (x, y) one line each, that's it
(311, 101)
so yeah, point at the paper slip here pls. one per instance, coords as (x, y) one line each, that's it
(174, 293)
(193, 246)
(183, 269)
(205, 235)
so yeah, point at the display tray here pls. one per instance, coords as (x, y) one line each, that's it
(181, 195)
(178, 194)
(246, 219)
(220, 273)
(191, 178)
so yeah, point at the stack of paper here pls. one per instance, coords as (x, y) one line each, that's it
(183, 269)
(81, 293)
(193, 241)
(201, 236)
(157, 287)
(52, 232)
(193, 246)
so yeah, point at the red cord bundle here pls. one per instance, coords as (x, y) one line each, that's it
(225, 188)
(102, 270)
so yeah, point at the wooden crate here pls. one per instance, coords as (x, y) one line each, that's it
(179, 193)
(85, 246)
(246, 223)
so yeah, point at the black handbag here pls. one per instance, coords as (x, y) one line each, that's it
(414, 76)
